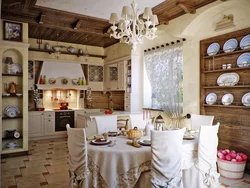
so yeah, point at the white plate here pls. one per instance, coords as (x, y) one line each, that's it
(228, 79)
(246, 99)
(188, 137)
(16, 134)
(230, 45)
(244, 60)
(227, 99)
(94, 142)
(6, 94)
(245, 42)
(213, 49)
(145, 142)
(211, 98)
(11, 111)
(16, 68)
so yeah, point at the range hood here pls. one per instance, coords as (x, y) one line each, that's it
(61, 75)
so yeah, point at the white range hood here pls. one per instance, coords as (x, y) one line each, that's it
(65, 76)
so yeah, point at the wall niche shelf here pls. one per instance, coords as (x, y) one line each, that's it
(4, 74)
(234, 118)
(221, 53)
(20, 138)
(17, 117)
(67, 53)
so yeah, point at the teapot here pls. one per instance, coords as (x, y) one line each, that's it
(12, 88)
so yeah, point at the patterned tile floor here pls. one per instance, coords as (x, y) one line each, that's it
(46, 167)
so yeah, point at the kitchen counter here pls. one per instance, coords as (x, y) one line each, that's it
(92, 115)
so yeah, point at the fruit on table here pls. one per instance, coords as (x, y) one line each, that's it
(108, 112)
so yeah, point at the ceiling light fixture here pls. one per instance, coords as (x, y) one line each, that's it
(132, 29)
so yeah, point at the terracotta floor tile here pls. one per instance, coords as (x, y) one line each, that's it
(36, 163)
(58, 168)
(6, 182)
(20, 158)
(58, 161)
(33, 171)
(39, 152)
(12, 164)
(62, 184)
(57, 177)
(38, 157)
(10, 173)
(30, 181)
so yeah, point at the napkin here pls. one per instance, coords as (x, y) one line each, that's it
(94, 137)
(135, 144)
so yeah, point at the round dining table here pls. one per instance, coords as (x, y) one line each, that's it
(120, 164)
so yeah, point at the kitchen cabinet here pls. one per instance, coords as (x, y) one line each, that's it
(95, 77)
(114, 78)
(49, 123)
(36, 124)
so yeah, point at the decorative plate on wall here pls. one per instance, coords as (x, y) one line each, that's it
(228, 79)
(227, 99)
(64, 81)
(213, 49)
(245, 42)
(211, 98)
(244, 60)
(230, 45)
(246, 99)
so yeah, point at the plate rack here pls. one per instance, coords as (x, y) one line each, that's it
(234, 130)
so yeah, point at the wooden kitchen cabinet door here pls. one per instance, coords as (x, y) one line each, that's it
(49, 125)
(36, 127)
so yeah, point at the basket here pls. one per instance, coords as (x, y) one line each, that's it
(231, 170)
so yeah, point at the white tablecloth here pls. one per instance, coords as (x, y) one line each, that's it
(121, 165)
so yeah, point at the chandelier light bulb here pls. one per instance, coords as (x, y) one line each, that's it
(132, 29)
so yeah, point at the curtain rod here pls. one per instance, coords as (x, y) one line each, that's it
(167, 44)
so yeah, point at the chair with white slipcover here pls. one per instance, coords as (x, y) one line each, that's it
(78, 157)
(106, 123)
(198, 120)
(166, 147)
(137, 121)
(204, 172)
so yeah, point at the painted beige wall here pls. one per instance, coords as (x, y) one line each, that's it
(117, 51)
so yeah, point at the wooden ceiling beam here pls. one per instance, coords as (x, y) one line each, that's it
(78, 24)
(56, 25)
(186, 5)
(42, 17)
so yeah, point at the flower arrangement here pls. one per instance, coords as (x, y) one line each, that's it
(232, 155)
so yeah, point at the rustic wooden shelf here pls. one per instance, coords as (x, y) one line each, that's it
(222, 53)
(17, 117)
(20, 138)
(227, 70)
(12, 96)
(68, 53)
(225, 87)
(5, 74)
(225, 106)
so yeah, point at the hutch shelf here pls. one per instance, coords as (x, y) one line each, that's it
(234, 119)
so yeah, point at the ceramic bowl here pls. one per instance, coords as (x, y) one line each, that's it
(11, 145)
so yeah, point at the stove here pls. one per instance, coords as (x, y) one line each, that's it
(58, 109)
(64, 117)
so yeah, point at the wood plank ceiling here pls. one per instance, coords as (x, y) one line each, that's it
(46, 23)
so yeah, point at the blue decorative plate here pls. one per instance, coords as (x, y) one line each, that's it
(211, 98)
(230, 45)
(213, 49)
(244, 60)
(245, 42)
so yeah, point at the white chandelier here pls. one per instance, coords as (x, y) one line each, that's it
(132, 29)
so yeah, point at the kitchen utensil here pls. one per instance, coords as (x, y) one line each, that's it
(244, 60)
(230, 45)
(211, 98)
(213, 49)
(100, 142)
(10, 133)
(17, 134)
(246, 99)
(228, 79)
(245, 42)
(227, 99)
(71, 49)
(12, 88)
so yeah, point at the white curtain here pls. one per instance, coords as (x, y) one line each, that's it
(165, 73)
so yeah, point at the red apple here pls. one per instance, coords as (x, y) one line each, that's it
(244, 157)
(228, 158)
(238, 158)
(232, 154)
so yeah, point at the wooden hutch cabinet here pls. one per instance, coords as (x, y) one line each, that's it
(234, 129)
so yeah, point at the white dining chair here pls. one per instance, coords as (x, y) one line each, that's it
(78, 156)
(137, 121)
(203, 174)
(166, 147)
(198, 120)
(106, 123)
